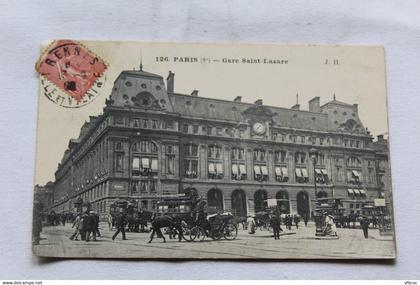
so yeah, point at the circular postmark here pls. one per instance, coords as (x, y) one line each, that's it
(71, 75)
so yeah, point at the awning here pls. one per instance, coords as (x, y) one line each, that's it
(355, 173)
(324, 172)
(362, 191)
(219, 168)
(284, 171)
(318, 171)
(136, 163)
(145, 163)
(212, 168)
(350, 191)
(264, 170)
(357, 192)
(257, 169)
(304, 173)
(235, 169)
(278, 171)
(298, 172)
(242, 169)
(154, 164)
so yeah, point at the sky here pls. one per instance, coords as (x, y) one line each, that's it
(359, 77)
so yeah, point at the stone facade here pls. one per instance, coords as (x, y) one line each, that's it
(151, 141)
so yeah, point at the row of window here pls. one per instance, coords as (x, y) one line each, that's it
(233, 132)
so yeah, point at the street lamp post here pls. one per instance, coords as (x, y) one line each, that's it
(319, 215)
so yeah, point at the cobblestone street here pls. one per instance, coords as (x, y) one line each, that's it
(297, 243)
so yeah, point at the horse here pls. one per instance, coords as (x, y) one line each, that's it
(166, 222)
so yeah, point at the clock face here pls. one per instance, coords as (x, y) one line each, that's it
(258, 128)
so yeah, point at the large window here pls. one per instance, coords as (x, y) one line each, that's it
(321, 176)
(119, 162)
(238, 164)
(300, 158)
(144, 158)
(215, 162)
(170, 159)
(280, 166)
(301, 175)
(260, 165)
(190, 150)
(191, 168)
(354, 177)
(191, 160)
(280, 156)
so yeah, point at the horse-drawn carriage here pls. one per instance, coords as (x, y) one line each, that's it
(215, 226)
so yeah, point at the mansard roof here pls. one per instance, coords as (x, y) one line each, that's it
(217, 109)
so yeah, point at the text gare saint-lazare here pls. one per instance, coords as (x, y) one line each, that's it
(223, 60)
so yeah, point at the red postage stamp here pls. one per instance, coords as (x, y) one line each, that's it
(73, 69)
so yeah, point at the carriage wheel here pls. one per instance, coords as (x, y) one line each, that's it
(197, 233)
(186, 233)
(230, 232)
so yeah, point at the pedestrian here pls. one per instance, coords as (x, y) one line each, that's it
(89, 222)
(96, 216)
(120, 222)
(63, 219)
(305, 220)
(110, 221)
(297, 221)
(76, 224)
(364, 224)
(250, 222)
(330, 227)
(37, 222)
(289, 222)
(375, 222)
(275, 224)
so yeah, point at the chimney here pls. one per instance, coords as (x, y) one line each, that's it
(296, 107)
(380, 138)
(237, 99)
(355, 106)
(194, 93)
(259, 102)
(170, 81)
(314, 105)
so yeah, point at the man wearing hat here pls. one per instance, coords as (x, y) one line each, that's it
(364, 224)
(90, 225)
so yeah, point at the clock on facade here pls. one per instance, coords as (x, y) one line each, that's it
(258, 128)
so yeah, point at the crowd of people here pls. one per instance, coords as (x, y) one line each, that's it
(86, 224)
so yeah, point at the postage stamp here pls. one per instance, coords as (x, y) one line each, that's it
(74, 70)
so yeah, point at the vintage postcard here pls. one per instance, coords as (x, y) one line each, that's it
(214, 151)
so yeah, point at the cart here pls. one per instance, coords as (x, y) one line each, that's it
(215, 226)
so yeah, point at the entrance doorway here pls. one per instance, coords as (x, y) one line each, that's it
(283, 201)
(260, 200)
(303, 208)
(238, 199)
(215, 200)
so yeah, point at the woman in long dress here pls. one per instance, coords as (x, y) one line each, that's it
(329, 222)
(250, 225)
